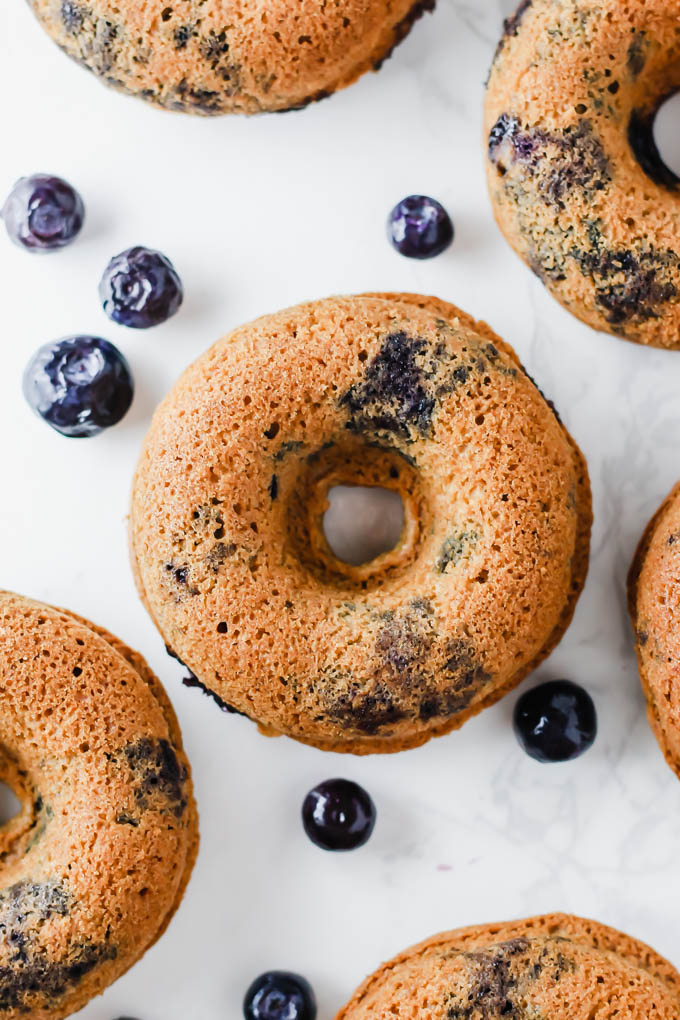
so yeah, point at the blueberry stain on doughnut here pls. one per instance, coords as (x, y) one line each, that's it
(454, 548)
(576, 180)
(636, 55)
(631, 286)
(557, 162)
(196, 57)
(24, 909)
(24, 904)
(157, 776)
(51, 980)
(403, 384)
(496, 989)
(400, 392)
(406, 645)
(392, 396)
(177, 580)
(72, 16)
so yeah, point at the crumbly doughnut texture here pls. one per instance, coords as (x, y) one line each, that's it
(555, 967)
(96, 862)
(397, 391)
(654, 605)
(229, 56)
(576, 181)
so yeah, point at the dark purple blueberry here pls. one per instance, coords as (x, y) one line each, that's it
(43, 213)
(555, 721)
(338, 815)
(80, 385)
(140, 288)
(279, 995)
(419, 227)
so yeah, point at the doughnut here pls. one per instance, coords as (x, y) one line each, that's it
(576, 181)
(654, 605)
(95, 863)
(400, 392)
(229, 56)
(556, 966)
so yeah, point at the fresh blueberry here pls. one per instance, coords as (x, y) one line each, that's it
(79, 385)
(279, 995)
(43, 213)
(140, 288)
(338, 815)
(555, 721)
(419, 227)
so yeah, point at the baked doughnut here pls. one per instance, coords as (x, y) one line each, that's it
(654, 604)
(400, 392)
(556, 966)
(576, 181)
(96, 862)
(229, 56)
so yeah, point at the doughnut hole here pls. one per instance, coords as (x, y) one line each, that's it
(362, 523)
(10, 805)
(667, 134)
(373, 478)
(19, 815)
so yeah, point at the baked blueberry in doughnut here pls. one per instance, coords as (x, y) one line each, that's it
(556, 966)
(576, 181)
(95, 863)
(229, 56)
(400, 392)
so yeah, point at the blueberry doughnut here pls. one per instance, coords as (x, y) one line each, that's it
(556, 966)
(654, 604)
(576, 181)
(96, 862)
(229, 56)
(400, 392)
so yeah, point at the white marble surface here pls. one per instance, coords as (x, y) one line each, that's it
(260, 214)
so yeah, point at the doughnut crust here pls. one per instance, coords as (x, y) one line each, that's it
(229, 56)
(576, 181)
(557, 966)
(96, 862)
(397, 391)
(654, 605)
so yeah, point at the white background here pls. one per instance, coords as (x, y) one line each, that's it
(258, 214)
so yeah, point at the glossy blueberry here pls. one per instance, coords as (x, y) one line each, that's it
(555, 721)
(419, 227)
(140, 288)
(338, 815)
(279, 995)
(43, 213)
(79, 385)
